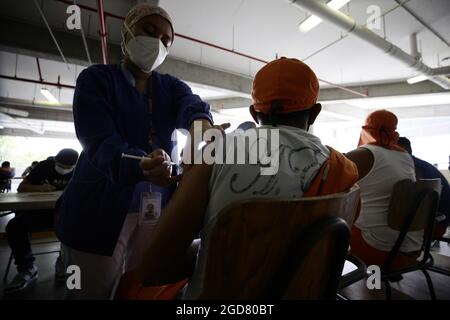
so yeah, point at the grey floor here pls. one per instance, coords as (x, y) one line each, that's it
(413, 286)
(45, 288)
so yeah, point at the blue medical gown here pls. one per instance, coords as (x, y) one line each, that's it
(111, 117)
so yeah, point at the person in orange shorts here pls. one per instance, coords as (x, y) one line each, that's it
(381, 164)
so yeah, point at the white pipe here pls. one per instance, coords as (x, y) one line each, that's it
(442, 71)
(349, 25)
(414, 47)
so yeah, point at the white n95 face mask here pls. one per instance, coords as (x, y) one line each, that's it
(62, 171)
(146, 52)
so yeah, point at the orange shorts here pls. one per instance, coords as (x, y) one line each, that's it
(130, 288)
(372, 256)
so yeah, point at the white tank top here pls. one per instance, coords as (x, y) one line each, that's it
(388, 168)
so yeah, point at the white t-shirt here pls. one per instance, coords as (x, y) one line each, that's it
(301, 156)
(389, 167)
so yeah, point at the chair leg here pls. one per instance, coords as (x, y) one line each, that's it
(439, 270)
(341, 297)
(5, 277)
(388, 290)
(430, 284)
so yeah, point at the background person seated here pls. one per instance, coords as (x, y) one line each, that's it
(291, 107)
(6, 174)
(425, 170)
(28, 169)
(381, 164)
(48, 175)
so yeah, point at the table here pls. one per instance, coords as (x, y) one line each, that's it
(28, 201)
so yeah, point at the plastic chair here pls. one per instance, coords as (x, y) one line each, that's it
(280, 248)
(412, 208)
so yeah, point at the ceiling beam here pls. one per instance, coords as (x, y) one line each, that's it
(39, 111)
(28, 133)
(382, 90)
(434, 112)
(229, 103)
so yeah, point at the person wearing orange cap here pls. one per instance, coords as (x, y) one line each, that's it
(285, 94)
(381, 164)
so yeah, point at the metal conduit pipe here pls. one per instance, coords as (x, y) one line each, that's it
(445, 71)
(349, 25)
(102, 31)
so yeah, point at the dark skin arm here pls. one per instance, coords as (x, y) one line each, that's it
(171, 254)
(363, 159)
(27, 186)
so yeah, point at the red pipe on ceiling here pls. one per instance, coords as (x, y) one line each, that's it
(108, 14)
(102, 31)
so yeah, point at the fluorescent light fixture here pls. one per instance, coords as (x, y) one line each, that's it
(417, 79)
(309, 23)
(47, 94)
(212, 93)
(337, 4)
(313, 20)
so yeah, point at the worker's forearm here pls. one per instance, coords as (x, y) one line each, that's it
(29, 188)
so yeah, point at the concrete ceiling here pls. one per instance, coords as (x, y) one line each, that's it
(260, 28)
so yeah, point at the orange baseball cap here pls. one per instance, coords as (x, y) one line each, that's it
(287, 81)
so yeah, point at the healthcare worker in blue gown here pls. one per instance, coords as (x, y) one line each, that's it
(122, 109)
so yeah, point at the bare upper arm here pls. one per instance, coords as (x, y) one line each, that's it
(179, 224)
(363, 159)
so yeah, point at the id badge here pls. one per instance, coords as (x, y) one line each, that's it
(150, 208)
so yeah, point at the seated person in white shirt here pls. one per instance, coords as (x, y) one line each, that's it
(381, 164)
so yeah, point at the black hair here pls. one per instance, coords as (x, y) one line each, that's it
(405, 144)
(290, 119)
(6, 164)
(67, 157)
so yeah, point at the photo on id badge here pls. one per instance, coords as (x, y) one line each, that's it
(150, 207)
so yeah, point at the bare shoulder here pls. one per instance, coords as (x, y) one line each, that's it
(359, 153)
(363, 159)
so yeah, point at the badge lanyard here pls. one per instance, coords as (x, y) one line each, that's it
(150, 209)
(150, 111)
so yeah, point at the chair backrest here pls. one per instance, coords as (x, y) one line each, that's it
(406, 198)
(413, 207)
(280, 248)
